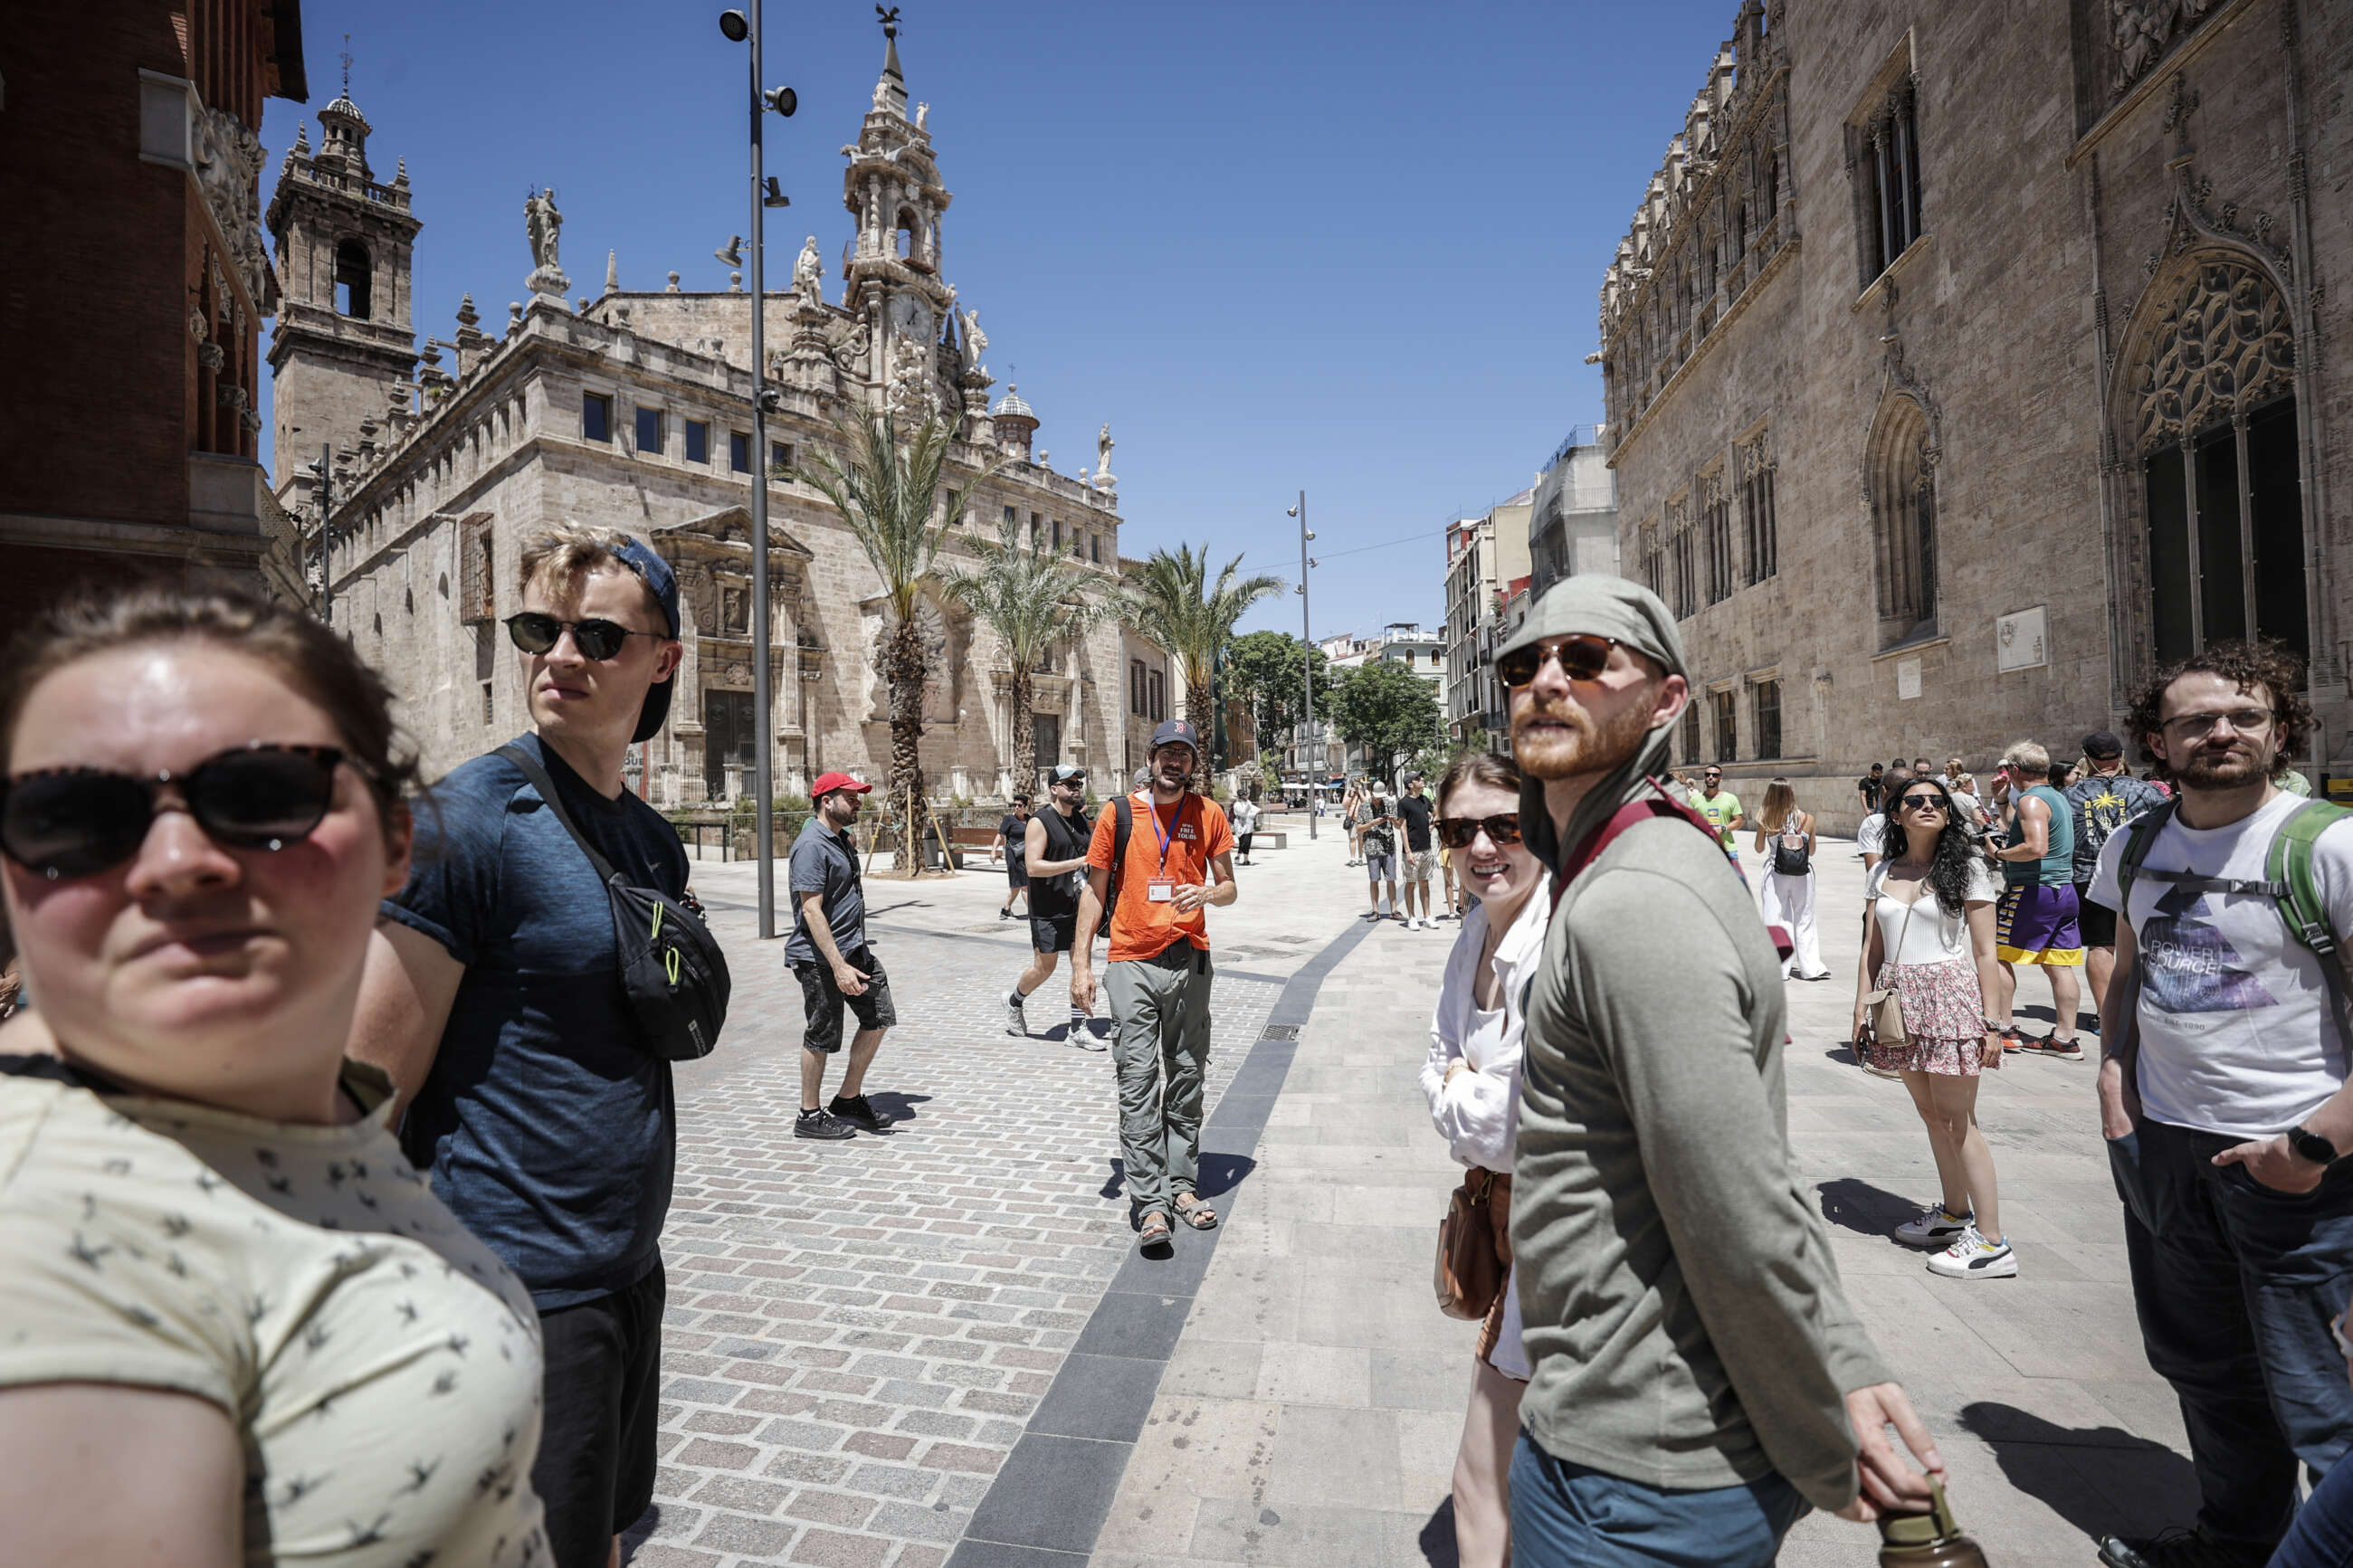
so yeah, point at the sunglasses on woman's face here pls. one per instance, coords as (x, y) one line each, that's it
(597, 639)
(1918, 802)
(77, 822)
(1461, 832)
(1581, 657)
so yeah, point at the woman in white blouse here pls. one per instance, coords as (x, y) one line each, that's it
(1930, 938)
(1473, 1080)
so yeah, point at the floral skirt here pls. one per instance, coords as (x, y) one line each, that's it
(1944, 1013)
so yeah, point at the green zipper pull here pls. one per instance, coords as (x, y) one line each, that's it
(670, 962)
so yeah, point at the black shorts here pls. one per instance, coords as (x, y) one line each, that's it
(1053, 933)
(1017, 874)
(2097, 922)
(597, 1445)
(822, 1000)
(1242, 842)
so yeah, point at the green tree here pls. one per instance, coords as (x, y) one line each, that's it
(1263, 669)
(1032, 597)
(1172, 601)
(1388, 710)
(889, 494)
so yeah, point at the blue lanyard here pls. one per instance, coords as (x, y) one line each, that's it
(1159, 831)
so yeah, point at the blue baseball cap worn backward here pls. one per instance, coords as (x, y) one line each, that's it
(662, 582)
(1178, 732)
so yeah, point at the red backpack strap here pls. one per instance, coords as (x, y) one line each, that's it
(1625, 816)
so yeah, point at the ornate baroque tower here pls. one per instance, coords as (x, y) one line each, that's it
(342, 351)
(893, 275)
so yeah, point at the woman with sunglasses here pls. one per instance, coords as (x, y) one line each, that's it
(1929, 938)
(1785, 837)
(1473, 1080)
(238, 1327)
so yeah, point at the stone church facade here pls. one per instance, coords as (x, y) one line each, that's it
(632, 410)
(1963, 367)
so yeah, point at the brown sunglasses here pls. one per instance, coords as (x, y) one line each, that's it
(1582, 656)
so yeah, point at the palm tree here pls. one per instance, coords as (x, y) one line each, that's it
(889, 495)
(1172, 602)
(1031, 597)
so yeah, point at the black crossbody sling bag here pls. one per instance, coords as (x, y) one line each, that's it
(672, 970)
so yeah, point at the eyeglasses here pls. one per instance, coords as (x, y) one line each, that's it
(597, 639)
(77, 822)
(1582, 658)
(1457, 832)
(1711, 778)
(2245, 721)
(1922, 802)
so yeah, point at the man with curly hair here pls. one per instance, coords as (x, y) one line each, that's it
(2223, 1097)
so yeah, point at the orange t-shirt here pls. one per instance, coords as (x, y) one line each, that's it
(1197, 834)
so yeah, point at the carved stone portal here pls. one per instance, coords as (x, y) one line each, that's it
(2223, 345)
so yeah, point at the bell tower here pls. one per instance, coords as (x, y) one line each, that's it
(892, 277)
(342, 351)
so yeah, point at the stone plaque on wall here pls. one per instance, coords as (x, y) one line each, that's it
(2022, 640)
(1907, 678)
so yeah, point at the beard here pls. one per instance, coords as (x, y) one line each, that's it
(1583, 744)
(2234, 768)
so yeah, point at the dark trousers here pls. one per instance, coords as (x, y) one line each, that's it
(599, 1441)
(2236, 1285)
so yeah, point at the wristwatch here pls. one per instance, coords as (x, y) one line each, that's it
(2311, 1146)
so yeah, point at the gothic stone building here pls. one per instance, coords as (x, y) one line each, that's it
(633, 410)
(1962, 367)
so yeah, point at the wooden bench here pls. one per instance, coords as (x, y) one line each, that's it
(969, 841)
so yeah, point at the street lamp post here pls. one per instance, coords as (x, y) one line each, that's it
(1306, 663)
(739, 29)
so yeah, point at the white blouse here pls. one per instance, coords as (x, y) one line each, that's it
(1934, 936)
(1479, 1113)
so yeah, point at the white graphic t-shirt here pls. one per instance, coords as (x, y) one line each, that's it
(2236, 1034)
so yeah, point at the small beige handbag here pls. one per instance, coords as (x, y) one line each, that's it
(1883, 1011)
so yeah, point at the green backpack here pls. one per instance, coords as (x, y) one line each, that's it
(2287, 881)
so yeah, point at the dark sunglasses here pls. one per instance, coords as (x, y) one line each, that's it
(1582, 658)
(1911, 800)
(1457, 832)
(77, 822)
(597, 639)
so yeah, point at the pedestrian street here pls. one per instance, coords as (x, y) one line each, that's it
(940, 1345)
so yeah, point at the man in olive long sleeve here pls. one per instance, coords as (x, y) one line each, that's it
(1699, 1379)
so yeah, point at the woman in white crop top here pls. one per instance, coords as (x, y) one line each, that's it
(1929, 940)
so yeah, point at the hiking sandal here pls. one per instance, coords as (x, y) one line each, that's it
(1197, 1213)
(1155, 1231)
(2014, 1040)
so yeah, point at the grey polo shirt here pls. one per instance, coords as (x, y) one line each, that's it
(823, 861)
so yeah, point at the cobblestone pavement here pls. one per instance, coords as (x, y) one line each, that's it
(857, 1331)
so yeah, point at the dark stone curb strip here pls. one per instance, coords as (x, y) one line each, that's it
(1049, 1502)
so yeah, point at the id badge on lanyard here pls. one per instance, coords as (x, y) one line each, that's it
(1162, 889)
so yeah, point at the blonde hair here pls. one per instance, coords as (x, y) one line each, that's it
(2028, 757)
(1780, 804)
(556, 558)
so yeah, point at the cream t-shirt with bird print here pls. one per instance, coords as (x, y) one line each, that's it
(382, 1366)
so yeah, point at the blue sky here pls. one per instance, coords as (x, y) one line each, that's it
(1348, 248)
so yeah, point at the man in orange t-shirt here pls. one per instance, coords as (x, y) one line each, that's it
(1177, 860)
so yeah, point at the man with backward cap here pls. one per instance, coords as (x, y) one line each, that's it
(1699, 1379)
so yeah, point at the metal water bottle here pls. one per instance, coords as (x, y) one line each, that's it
(1930, 1539)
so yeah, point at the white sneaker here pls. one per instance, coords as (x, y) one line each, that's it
(1934, 1226)
(1975, 1257)
(1015, 1021)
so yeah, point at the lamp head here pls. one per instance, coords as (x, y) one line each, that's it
(735, 24)
(1290, 511)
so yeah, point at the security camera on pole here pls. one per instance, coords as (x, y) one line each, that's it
(765, 399)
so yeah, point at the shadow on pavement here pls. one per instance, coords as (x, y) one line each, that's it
(1437, 1538)
(1220, 1174)
(1859, 1206)
(900, 1107)
(2097, 1479)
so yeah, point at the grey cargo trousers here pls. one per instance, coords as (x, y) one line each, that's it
(1160, 1010)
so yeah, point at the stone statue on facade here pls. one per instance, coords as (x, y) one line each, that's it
(974, 343)
(543, 224)
(1104, 478)
(807, 269)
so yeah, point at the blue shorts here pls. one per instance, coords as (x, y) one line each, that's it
(1567, 1515)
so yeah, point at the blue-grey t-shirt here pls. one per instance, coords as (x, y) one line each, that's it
(824, 861)
(547, 1128)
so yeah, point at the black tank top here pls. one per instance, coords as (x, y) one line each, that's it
(1066, 840)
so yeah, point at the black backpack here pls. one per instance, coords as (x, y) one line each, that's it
(672, 970)
(1791, 859)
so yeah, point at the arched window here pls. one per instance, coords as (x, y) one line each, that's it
(909, 225)
(2215, 408)
(1899, 476)
(354, 275)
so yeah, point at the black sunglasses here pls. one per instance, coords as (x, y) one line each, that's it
(1582, 658)
(1910, 801)
(1457, 832)
(597, 639)
(77, 822)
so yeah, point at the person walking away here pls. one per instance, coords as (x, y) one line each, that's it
(2107, 798)
(2223, 1097)
(1057, 844)
(2035, 923)
(1699, 1379)
(1420, 853)
(1352, 816)
(1175, 860)
(828, 954)
(1721, 809)
(1013, 839)
(209, 1237)
(1378, 836)
(1785, 836)
(1245, 822)
(1872, 789)
(494, 997)
(1471, 1080)
(1929, 938)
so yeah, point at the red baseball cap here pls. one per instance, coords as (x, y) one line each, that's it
(829, 783)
